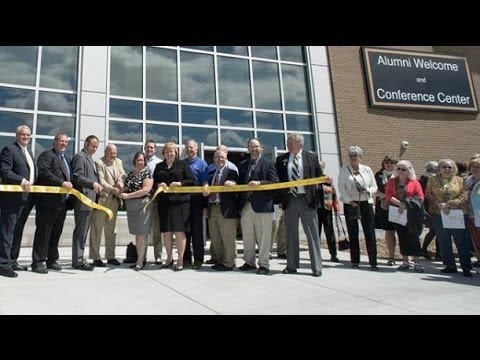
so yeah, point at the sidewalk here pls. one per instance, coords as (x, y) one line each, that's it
(341, 290)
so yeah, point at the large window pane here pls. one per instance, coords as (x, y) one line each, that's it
(42, 145)
(292, 53)
(5, 140)
(269, 121)
(235, 138)
(234, 82)
(52, 125)
(295, 88)
(126, 109)
(309, 144)
(10, 120)
(270, 140)
(161, 77)
(199, 115)
(59, 67)
(65, 103)
(17, 98)
(127, 131)
(237, 50)
(162, 133)
(267, 85)
(18, 64)
(240, 118)
(162, 112)
(198, 84)
(125, 152)
(126, 71)
(299, 123)
(205, 135)
(267, 52)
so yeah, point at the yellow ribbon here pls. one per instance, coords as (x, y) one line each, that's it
(59, 190)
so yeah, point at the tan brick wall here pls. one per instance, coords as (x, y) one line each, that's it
(432, 135)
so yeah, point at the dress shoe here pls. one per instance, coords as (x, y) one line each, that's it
(197, 264)
(467, 273)
(84, 267)
(449, 270)
(262, 270)
(158, 262)
(167, 265)
(178, 268)
(404, 267)
(18, 267)
(54, 266)
(281, 256)
(8, 273)
(211, 262)
(246, 267)
(113, 262)
(224, 268)
(317, 274)
(289, 271)
(355, 266)
(98, 263)
(374, 268)
(39, 269)
(334, 258)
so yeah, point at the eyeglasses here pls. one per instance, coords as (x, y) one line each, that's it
(447, 167)
(401, 169)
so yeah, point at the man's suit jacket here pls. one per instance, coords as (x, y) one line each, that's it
(109, 175)
(311, 169)
(228, 200)
(51, 172)
(13, 169)
(84, 175)
(265, 172)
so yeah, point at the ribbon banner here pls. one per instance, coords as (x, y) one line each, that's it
(58, 190)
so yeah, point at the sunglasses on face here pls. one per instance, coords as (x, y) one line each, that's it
(447, 167)
(401, 169)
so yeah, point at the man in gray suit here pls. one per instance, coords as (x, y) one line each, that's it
(85, 180)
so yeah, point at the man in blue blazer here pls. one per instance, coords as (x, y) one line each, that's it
(16, 168)
(256, 207)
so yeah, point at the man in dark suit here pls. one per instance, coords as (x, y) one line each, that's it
(256, 207)
(51, 209)
(16, 168)
(300, 202)
(85, 180)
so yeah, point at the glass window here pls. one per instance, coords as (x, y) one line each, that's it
(309, 143)
(161, 74)
(237, 50)
(52, 125)
(235, 138)
(5, 140)
(267, 52)
(127, 131)
(125, 152)
(126, 71)
(197, 76)
(199, 115)
(292, 53)
(206, 135)
(270, 140)
(18, 64)
(162, 112)
(234, 82)
(42, 145)
(59, 67)
(267, 85)
(162, 133)
(49, 101)
(10, 120)
(17, 98)
(126, 109)
(204, 48)
(269, 120)
(299, 122)
(240, 118)
(295, 88)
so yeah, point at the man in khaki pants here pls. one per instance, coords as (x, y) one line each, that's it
(112, 175)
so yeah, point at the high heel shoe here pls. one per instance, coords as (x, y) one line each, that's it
(177, 268)
(166, 266)
(136, 267)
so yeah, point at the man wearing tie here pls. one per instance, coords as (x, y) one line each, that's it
(16, 168)
(85, 180)
(51, 209)
(300, 202)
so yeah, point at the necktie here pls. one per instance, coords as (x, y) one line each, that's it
(31, 177)
(295, 175)
(252, 169)
(216, 180)
(65, 163)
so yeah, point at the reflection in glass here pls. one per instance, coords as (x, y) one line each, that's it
(126, 109)
(52, 125)
(197, 78)
(292, 53)
(267, 52)
(206, 135)
(18, 64)
(126, 71)
(126, 152)
(235, 138)
(65, 103)
(162, 134)
(17, 98)
(127, 131)
(309, 144)
(10, 120)
(59, 67)
(299, 122)
(267, 85)
(270, 140)
(5, 140)
(234, 82)
(240, 118)
(161, 74)
(204, 48)
(199, 115)
(269, 120)
(162, 112)
(237, 50)
(295, 88)
(42, 145)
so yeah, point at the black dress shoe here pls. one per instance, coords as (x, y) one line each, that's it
(289, 271)
(8, 273)
(211, 262)
(317, 274)
(84, 267)
(334, 258)
(39, 269)
(262, 270)
(246, 267)
(449, 270)
(98, 263)
(197, 264)
(467, 273)
(18, 267)
(113, 262)
(374, 268)
(54, 266)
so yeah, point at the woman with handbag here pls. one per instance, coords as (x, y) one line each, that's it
(356, 184)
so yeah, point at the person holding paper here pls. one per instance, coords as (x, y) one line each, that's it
(445, 192)
(404, 191)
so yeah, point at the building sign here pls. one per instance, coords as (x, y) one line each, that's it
(412, 80)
